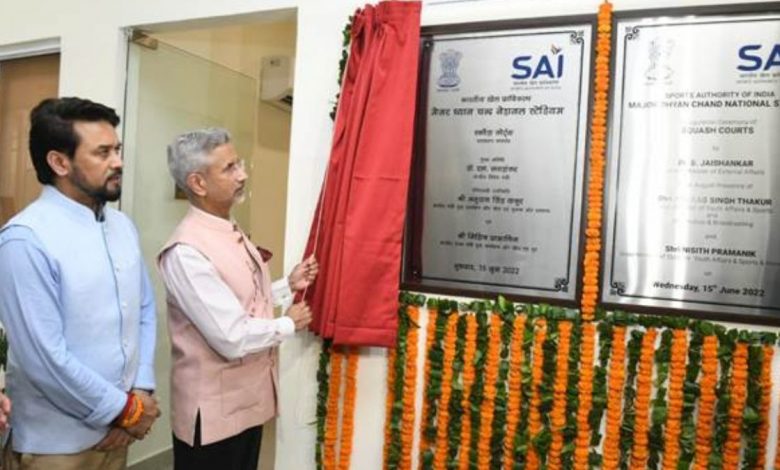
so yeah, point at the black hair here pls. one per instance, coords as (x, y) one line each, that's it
(51, 128)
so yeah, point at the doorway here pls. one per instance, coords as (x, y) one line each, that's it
(24, 82)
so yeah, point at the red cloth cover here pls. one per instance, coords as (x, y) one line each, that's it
(358, 226)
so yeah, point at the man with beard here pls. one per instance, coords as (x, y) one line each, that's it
(220, 313)
(76, 302)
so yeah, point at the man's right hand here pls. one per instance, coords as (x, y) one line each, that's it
(5, 412)
(116, 438)
(300, 314)
(150, 414)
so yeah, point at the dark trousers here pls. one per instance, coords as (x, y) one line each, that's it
(239, 452)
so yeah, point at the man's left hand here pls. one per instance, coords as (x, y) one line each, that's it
(304, 274)
(5, 412)
(141, 391)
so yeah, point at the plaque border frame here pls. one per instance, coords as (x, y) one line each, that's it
(410, 277)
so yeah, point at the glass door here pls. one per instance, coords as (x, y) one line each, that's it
(170, 91)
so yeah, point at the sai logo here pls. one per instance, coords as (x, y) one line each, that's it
(753, 58)
(449, 60)
(548, 65)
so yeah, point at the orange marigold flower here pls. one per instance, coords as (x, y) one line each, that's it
(534, 417)
(443, 415)
(348, 411)
(676, 395)
(766, 398)
(738, 388)
(615, 399)
(469, 352)
(332, 417)
(410, 390)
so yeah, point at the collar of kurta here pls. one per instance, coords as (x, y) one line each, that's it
(212, 221)
(79, 211)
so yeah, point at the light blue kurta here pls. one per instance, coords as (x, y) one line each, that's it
(78, 308)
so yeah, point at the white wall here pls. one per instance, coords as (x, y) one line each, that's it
(93, 66)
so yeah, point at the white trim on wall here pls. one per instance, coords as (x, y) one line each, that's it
(30, 49)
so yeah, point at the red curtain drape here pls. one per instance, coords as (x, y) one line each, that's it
(357, 230)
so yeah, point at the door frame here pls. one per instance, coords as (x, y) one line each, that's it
(30, 49)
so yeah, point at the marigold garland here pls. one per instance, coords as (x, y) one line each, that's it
(468, 381)
(572, 395)
(456, 400)
(515, 386)
(691, 391)
(501, 403)
(558, 414)
(322, 401)
(766, 401)
(534, 418)
(542, 439)
(488, 404)
(523, 374)
(394, 420)
(591, 259)
(777, 446)
(675, 404)
(627, 428)
(348, 410)
(599, 400)
(726, 348)
(523, 436)
(751, 414)
(738, 398)
(611, 457)
(430, 336)
(433, 385)
(476, 398)
(392, 356)
(658, 406)
(644, 386)
(707, 384)
(332, 419)
(410, 390)
(442, 421)
(582, 442)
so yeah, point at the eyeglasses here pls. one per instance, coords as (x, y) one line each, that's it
(230, 169)
(235, 167)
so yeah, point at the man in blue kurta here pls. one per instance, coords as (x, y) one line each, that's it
(76, 302)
